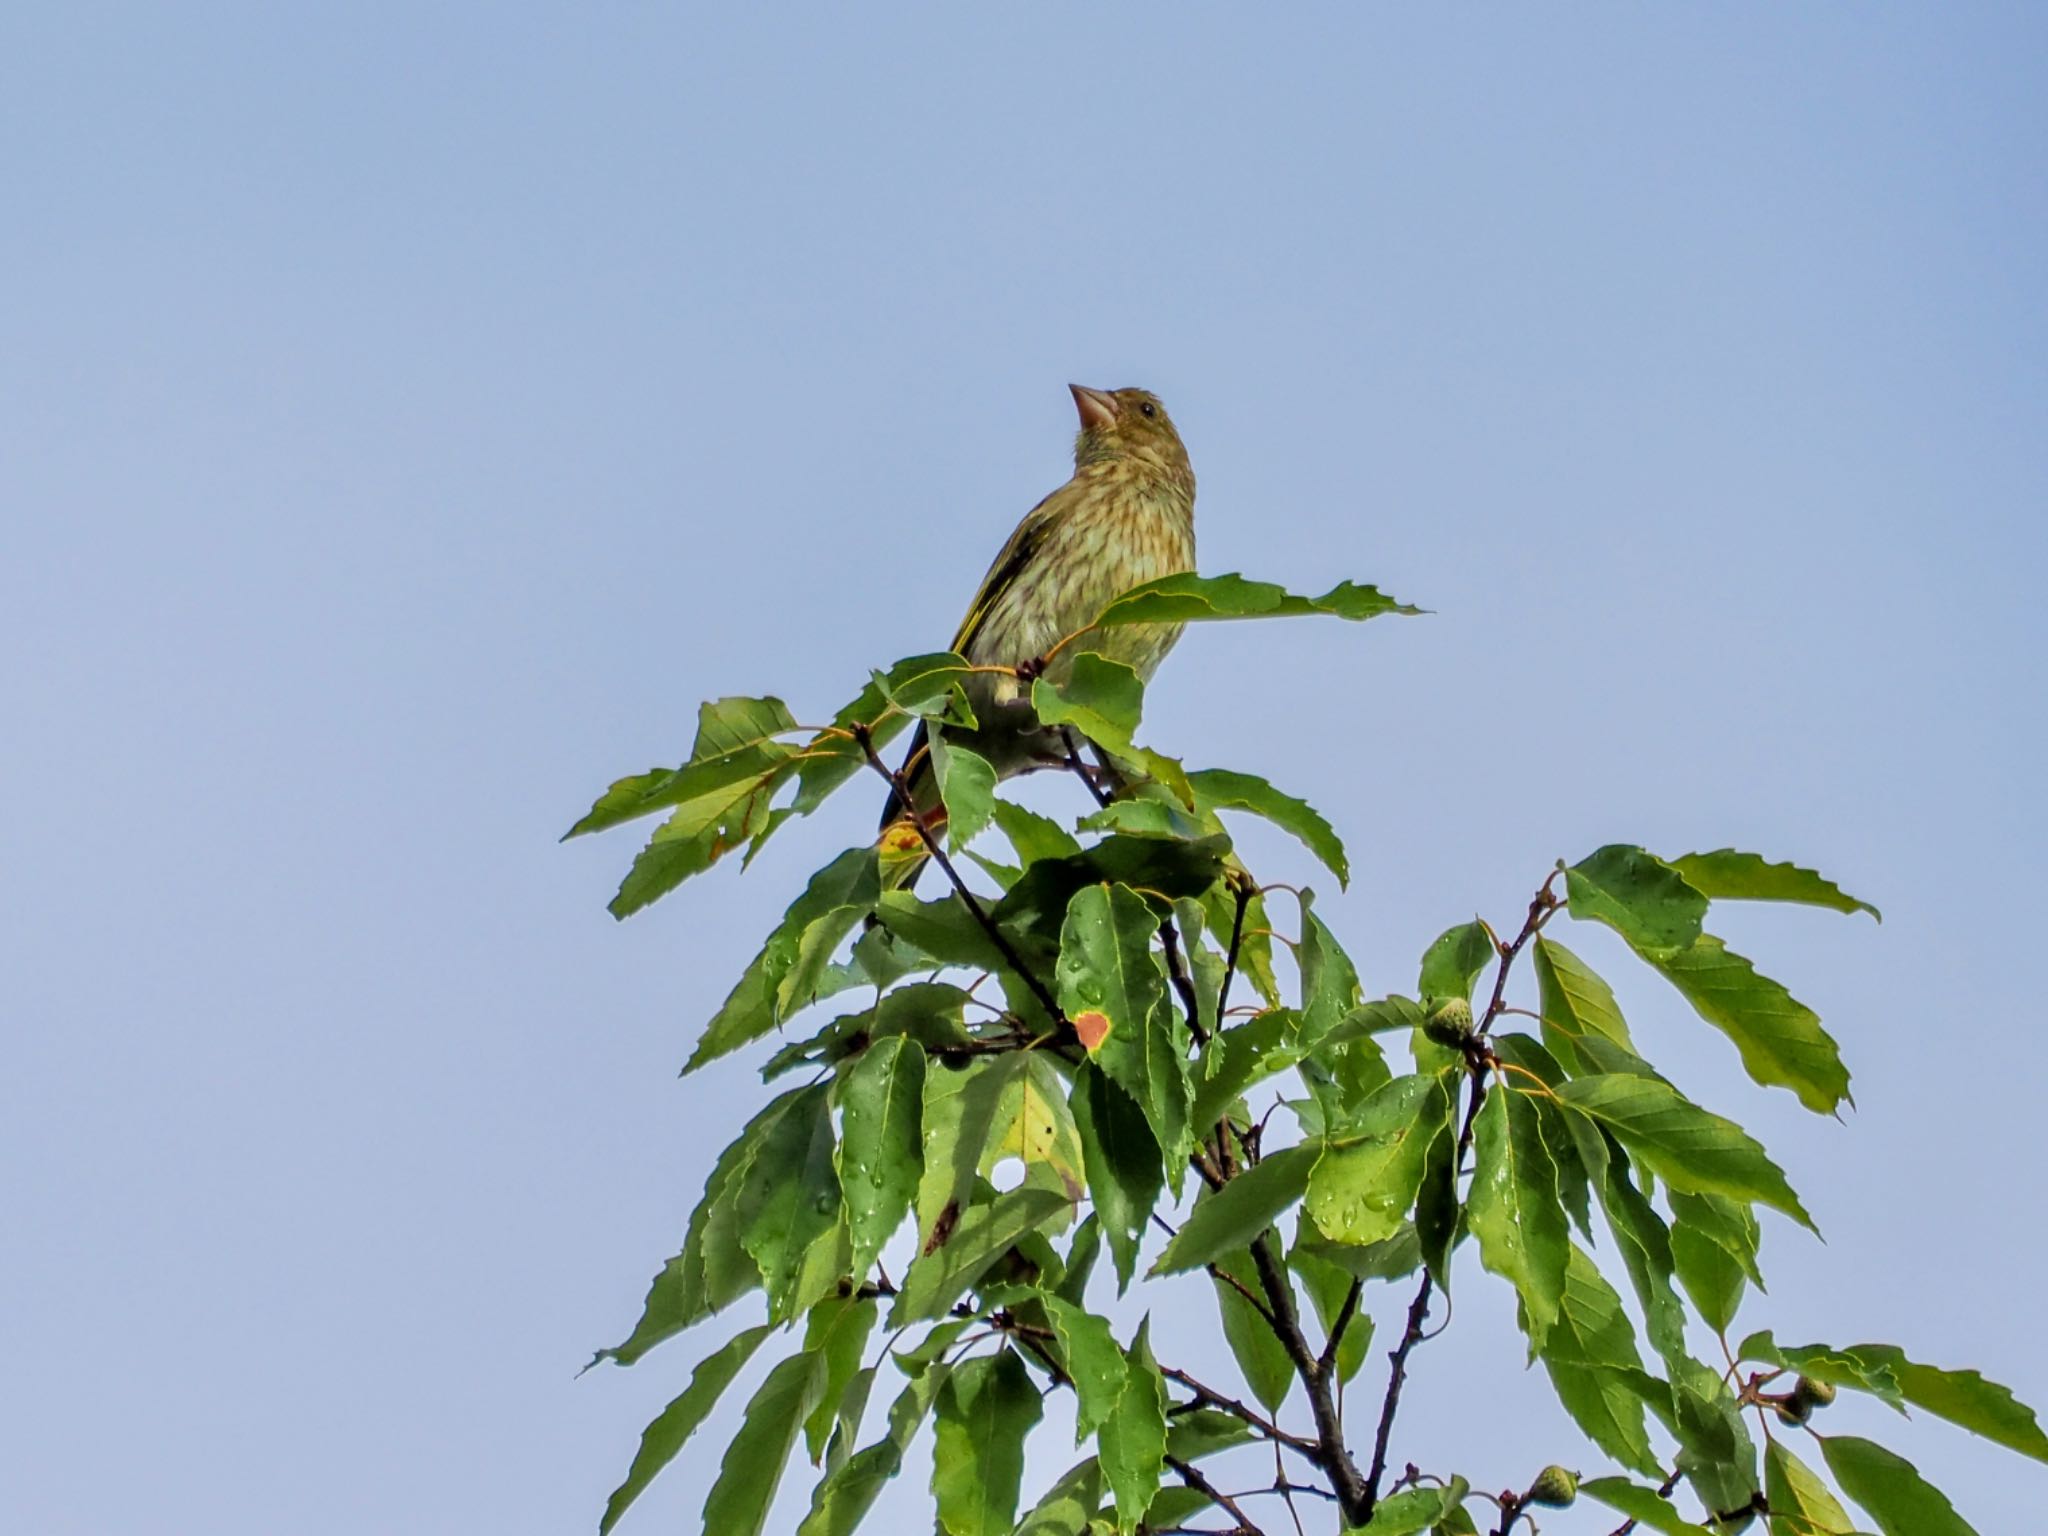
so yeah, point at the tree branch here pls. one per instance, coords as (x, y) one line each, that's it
(1169, 940)
(1237, 1410)
(1337, 1464)
(1000, 939)
(1541, 906)
(1328, 1359)
(1192, 1476)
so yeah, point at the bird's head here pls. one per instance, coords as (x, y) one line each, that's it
(1129, 424)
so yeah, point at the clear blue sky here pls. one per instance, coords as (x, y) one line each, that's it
(407, 413)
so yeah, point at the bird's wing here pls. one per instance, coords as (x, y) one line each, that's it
(1016, 555)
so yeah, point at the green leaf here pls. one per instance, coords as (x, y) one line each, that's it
(1242, 1055)
(931, 687)
(1801, 1504)
(938, 1277)
(1716, 1455)
(1780, 1038)
(1451, 965)
(735, 742)
(1636, 894)
(1438, 1216)
(1645, 1244)
(1711, 1277)
(790, 1198)
(1122, 1161)
(1573, 1176)
(967, 784)
(780, 978)
(713, 1270)
(700, 832)
(1035, 1127)
(1221, 789)
(1101, 699)
(1069, 1506)
(1327, 1279)
(1033, 836)
(881, 1151)
(1391, 1258)
(1575, 1002)
(1079, 1263)
(1145, 817)
(1329, 981)
(1683, 1144)
(1238, 1212)
(663, 1438)
(1891, 1489)
(1187, 598)
(985, 1410)
(1364, 1182)
(1729, 1224)
(1822, 1362)
(1513, 1207)
(1640, 1504)
(1165, 866)
(1725, 875)
(969, 1114)
(832, 757)
(1591, 1356)
(1261, 1358)
(1093, 1360)
(1962, 1397)
(1113, 987)
(837, 1330)
(752, 1467)
(1132, 1440)
(1403, 1514)
(843, 1498)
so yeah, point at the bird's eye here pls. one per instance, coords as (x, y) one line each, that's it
(1149, 408)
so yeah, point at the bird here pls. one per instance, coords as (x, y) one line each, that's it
(1127, 516)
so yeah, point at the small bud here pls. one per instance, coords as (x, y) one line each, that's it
(1450, 1024)
(1553, 1486)
(1814, 1394)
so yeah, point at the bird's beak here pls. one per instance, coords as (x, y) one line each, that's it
(1098, 407)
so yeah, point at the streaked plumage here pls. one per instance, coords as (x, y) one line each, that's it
(1126, 517)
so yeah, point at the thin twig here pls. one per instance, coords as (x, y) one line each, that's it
(1315, 1381)
(1237, 1410)
(1169, 940)
(1663, 1492)
(1328, 1359)
(1192, 1476)
(1243, 891)
(1541, 906)
(1000, 939)
(1263, 1308)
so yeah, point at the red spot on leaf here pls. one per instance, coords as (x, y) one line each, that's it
(1093, 1028)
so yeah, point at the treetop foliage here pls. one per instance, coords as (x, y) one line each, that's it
(1110, 1040)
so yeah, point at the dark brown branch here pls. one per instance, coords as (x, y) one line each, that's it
(1242, 888)
(1263, 1308)
(1411, 1335)
(1350, 1487)
(1663, 1492)
(1000, 939)
(1237, 1410)
(1541, 906)
(1327, 1361)
(1192, 1476)
(1169, 940)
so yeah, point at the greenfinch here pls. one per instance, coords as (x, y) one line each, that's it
(1126, 517)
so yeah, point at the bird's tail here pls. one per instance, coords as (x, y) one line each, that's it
(903, 858)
